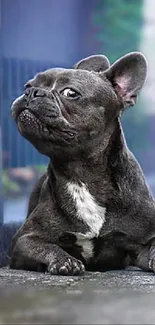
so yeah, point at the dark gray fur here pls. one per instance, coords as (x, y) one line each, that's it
(91, 148)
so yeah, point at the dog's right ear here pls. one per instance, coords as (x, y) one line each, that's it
(96, 63)
(127, 75)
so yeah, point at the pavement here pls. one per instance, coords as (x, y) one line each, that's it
(114, 297)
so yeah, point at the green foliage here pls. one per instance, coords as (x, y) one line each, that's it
(9, 186)
(41, 168)
(119, 25)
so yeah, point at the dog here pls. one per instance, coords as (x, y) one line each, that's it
(92, 209)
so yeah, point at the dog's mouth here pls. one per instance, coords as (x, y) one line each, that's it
(30, 125)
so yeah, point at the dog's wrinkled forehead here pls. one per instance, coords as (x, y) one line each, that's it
(93, 76)
(58, 78)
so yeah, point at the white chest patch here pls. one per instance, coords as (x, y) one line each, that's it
(84, 240)
(88, 211)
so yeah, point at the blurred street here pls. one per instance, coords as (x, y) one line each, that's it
(15, 209)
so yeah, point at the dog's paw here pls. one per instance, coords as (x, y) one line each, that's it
(66, 266)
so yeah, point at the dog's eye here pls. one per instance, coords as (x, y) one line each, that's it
(68, 92)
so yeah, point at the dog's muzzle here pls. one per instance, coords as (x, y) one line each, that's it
(37, 95)
(35, 100)
(32, 92)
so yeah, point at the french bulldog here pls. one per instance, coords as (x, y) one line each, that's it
(92, 210)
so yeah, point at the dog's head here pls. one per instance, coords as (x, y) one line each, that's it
(70, 111)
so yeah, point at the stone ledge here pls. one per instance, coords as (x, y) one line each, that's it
(116, 297)
(24, 279)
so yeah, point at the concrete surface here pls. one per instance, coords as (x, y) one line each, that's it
(115, 297)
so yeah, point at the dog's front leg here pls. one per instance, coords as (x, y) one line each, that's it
(32, 253)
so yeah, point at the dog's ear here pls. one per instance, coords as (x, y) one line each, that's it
(127, 76)
(97, 63)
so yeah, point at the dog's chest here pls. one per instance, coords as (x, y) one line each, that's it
(90, 213)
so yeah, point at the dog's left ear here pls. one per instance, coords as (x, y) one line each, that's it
(127, 76)
(96, 63)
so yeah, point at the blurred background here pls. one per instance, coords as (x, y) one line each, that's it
(40, 34)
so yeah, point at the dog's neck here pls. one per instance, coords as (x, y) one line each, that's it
(91, 165)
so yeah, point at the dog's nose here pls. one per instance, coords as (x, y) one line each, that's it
(33, 92)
